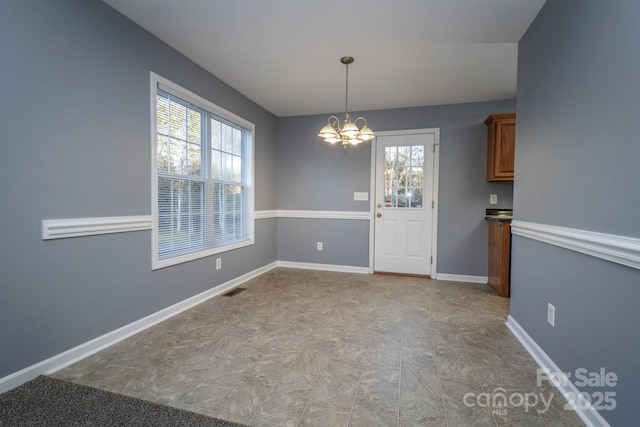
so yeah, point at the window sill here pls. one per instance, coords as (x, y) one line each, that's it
(158, 264)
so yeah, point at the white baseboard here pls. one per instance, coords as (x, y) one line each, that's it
(461, 278)
(589, 416)
(73, 355)
(62, 360)
(325, 267)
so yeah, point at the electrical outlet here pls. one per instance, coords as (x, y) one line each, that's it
(218, 263)
(493, 199)
(551, 315)
(319, 246)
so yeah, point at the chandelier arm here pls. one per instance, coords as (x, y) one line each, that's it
(361, 118)
(335, 123)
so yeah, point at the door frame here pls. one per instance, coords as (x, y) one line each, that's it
(435, 183)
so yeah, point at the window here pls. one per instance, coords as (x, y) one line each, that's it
(202, 176)
(404, 176)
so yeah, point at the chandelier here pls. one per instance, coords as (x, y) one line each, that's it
(348, 133)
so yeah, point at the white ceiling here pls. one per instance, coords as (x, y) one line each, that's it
(284, 54)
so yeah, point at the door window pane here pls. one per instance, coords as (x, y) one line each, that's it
(404, 176)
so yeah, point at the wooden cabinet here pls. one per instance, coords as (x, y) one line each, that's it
(500, 256)
(501, 146)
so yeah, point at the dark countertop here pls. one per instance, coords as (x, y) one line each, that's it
(499, 215)
(498, 218)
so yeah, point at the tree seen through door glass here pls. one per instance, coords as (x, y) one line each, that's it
(404, 176)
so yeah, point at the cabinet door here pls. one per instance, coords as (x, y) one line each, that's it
(495, 251)
(501, 147)
(499, 256)
(505, 149)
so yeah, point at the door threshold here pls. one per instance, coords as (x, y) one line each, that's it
(391, 273)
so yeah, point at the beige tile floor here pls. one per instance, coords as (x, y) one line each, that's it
(310, 348)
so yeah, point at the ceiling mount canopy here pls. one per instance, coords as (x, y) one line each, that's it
(348, 133)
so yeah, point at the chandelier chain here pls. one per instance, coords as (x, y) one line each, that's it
(346, 93)
(348, 132)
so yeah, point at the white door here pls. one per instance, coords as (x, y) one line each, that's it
(404, 191)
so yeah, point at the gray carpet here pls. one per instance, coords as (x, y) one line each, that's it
(46, 401)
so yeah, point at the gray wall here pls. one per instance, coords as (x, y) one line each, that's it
(74, 115)
(577, 163)
(342, 241)
(313, 175)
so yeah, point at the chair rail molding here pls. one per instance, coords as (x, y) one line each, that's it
(77, 227)
(265, 214)
(360, 215)
(619, 249)
(283, 213)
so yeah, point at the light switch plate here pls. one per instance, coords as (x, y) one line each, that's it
(493, 199)
(361, 195)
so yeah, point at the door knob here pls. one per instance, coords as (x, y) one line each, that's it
(378, 214)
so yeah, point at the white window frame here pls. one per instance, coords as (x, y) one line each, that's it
(166, 85)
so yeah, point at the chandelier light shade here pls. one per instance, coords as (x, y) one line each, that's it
(348, 132)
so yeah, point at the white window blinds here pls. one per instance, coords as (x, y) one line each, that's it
(203, 177)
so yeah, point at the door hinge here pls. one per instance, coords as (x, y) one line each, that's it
(431, 260)
(433, 204)
(434, 148)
